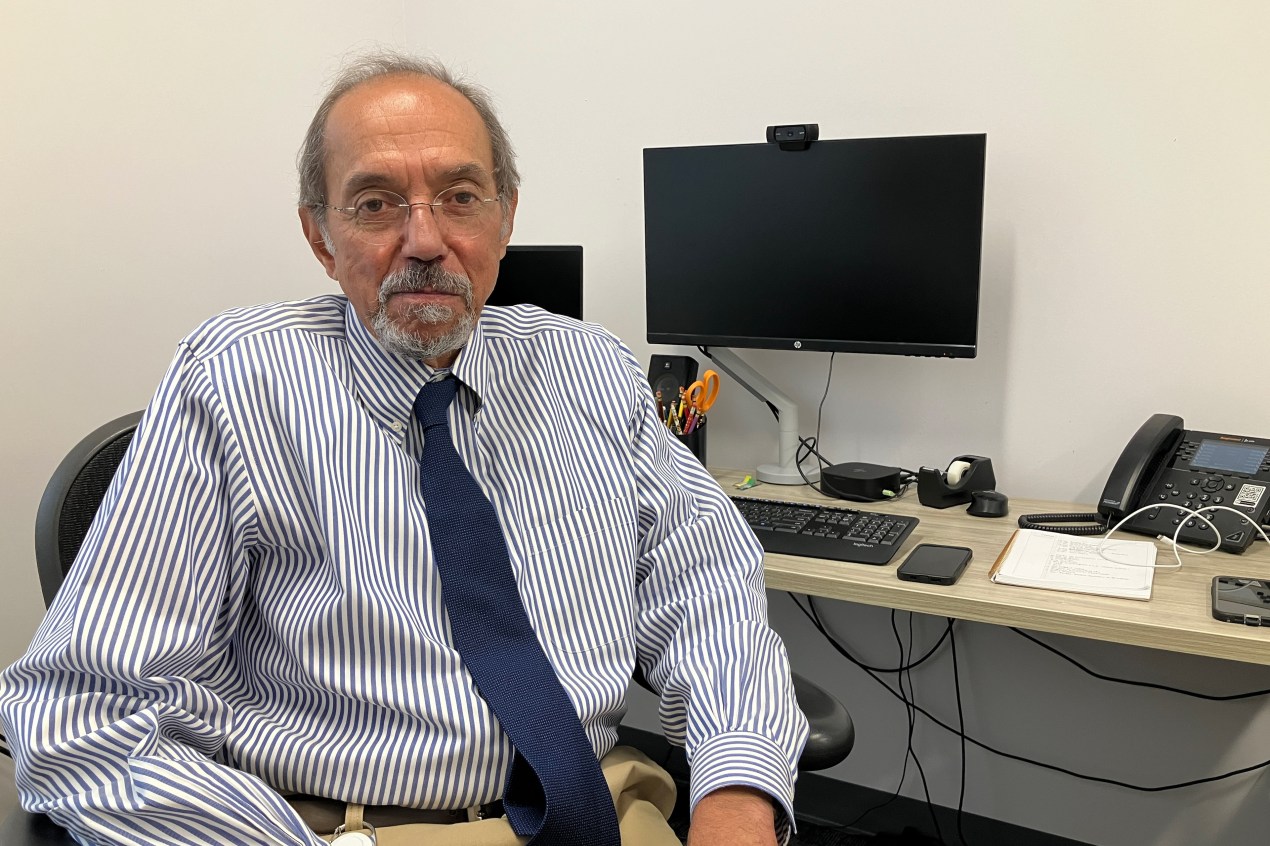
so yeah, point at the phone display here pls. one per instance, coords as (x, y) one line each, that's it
(934, 564)
(1241, 600)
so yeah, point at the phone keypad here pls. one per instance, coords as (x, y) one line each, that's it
(1193, 491)
(1181, 487)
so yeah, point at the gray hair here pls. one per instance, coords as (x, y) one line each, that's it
(311, 161)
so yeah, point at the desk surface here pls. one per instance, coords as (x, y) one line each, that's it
(1178, 617)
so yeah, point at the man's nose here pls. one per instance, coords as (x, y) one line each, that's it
(423, 238)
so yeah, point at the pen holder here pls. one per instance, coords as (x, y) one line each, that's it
(695, 441)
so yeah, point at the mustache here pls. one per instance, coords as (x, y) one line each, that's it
(416, 277)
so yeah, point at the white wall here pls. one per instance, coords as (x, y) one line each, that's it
(146, 183)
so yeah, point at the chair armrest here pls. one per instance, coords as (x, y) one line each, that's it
(831, 734)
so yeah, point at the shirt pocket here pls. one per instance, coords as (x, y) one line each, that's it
(578, 576)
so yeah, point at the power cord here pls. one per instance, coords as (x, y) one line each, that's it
(905, 665)
(904, 671)
(820, 411)
(879, 806)
(809, 447)
(910, 705)
(961, 732)
(1209, 696)
(833, 642)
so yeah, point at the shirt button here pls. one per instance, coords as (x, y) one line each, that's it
(398, 426)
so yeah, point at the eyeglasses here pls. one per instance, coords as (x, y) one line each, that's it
(380, 216)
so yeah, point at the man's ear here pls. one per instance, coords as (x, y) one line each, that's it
(313, 234)
(505, 232)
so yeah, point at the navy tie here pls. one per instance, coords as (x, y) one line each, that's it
(555, 791)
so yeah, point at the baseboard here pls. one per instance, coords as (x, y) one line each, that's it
(825, 801)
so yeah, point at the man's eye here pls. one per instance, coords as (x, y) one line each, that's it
(460, 201)
(378, 207)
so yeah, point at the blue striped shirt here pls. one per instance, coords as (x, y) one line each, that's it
(255, 610)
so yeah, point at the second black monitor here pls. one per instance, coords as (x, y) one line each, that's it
(546, 276)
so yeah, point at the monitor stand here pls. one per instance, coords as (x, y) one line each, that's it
(785, 471)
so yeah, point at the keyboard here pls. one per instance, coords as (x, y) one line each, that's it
(825, 531)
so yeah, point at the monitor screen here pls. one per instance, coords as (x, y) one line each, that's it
(549, 277)
(863, 245)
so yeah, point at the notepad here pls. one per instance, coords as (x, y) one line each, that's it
(1032, 558)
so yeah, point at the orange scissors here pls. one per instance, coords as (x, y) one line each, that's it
(702, 393)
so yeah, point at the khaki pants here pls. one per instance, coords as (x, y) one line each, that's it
(643, 793)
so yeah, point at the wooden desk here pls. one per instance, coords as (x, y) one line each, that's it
(1178, 617)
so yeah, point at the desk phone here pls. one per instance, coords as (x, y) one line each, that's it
(1169, 466)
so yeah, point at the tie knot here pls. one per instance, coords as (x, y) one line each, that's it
(433, 401)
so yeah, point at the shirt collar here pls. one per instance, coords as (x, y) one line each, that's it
(473, 366)
(387, 383)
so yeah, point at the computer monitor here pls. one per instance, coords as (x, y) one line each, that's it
(867, 245)
(545, 276)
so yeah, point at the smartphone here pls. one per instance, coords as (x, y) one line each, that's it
(1241, 600)
(934, 564)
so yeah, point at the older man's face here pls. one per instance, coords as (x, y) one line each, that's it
(420, 286)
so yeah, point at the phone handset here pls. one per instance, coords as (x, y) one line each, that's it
(1126, 487)
(1151, 445)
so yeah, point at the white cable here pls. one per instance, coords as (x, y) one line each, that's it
(1173, 540)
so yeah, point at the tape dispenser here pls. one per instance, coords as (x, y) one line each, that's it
(954, 486)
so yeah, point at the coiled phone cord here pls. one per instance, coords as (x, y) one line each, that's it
(1095, 523)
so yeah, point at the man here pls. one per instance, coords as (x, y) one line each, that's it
(262, 626)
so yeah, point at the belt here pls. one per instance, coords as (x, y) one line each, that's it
(325, 815)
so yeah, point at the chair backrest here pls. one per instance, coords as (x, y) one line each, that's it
(72, 497)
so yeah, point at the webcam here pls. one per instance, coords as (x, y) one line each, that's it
(796, 136)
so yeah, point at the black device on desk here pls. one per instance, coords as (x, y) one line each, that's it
(935, 564)
(825, 531)
(1241, 600)
(1166, 465)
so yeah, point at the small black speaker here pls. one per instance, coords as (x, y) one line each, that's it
(669, 373)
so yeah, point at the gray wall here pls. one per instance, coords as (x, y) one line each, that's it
(146, 183)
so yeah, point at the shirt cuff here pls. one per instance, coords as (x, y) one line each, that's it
(751, 760)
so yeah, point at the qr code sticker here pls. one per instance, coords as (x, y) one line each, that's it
(1249, 496)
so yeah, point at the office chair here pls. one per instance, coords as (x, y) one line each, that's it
(72, 497)
(66, 511)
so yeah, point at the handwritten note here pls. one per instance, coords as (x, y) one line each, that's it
(1114, 567)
